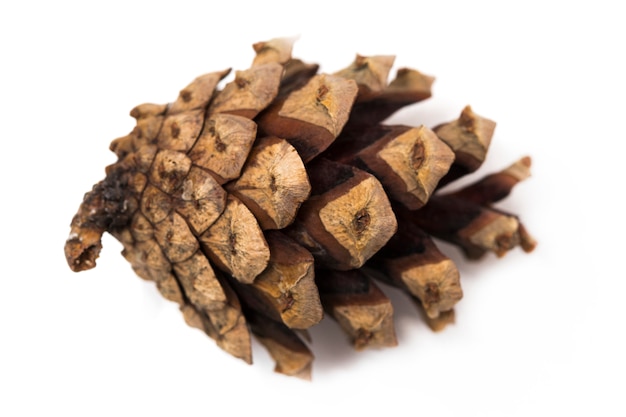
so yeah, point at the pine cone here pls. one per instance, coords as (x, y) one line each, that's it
(258, 206)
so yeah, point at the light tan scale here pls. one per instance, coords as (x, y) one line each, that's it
(223, 146)
(434, 282)
(359, 306)
(349, 215)
(273, 184)
(370, 73)
(311, 117)
(469, 136)
(288, 282)
(235, 242)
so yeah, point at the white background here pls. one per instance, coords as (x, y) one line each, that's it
(536, 335)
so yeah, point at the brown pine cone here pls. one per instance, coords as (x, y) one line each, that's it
(260, 204)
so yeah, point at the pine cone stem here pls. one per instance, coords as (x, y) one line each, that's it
(107, 207)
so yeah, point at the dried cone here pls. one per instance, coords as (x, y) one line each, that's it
(260, 204)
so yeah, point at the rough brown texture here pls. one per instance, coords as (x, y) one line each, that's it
(260, 204)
